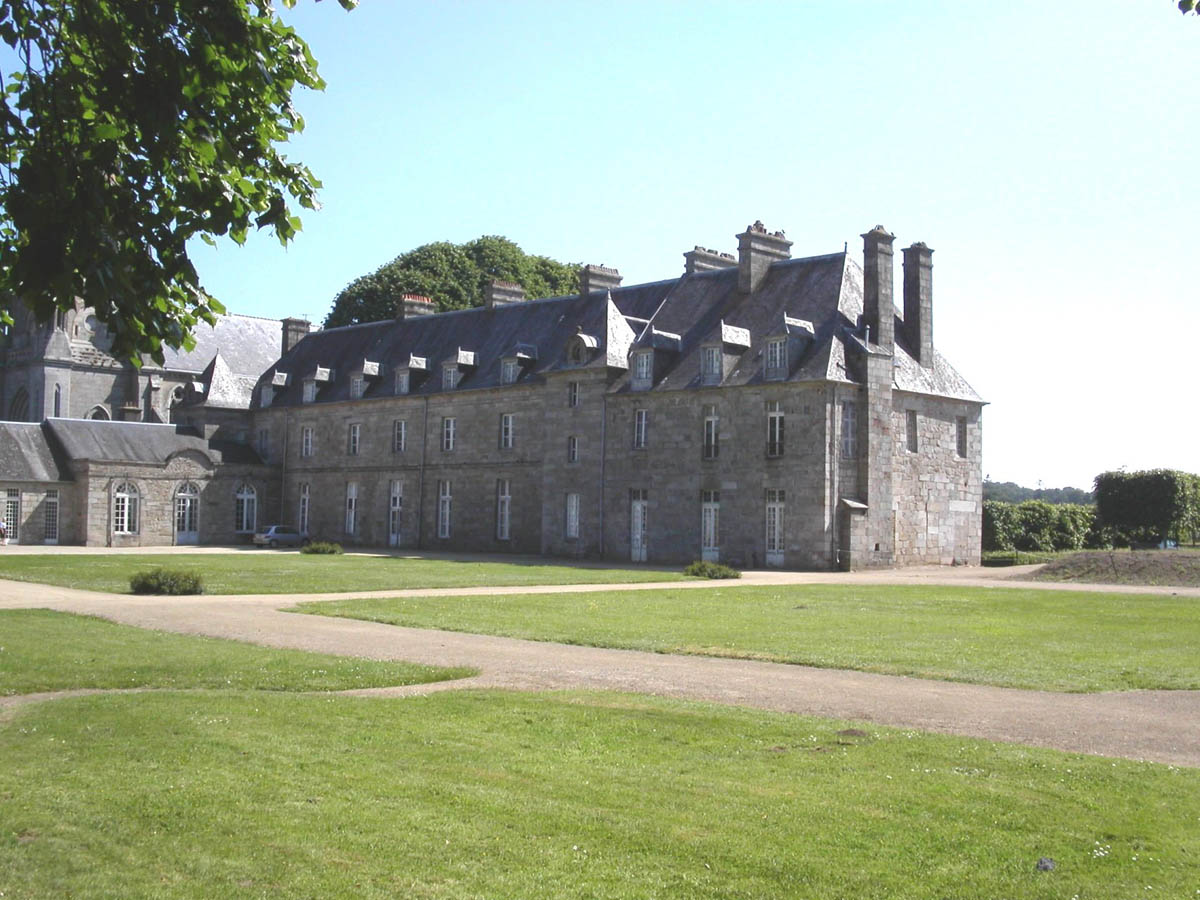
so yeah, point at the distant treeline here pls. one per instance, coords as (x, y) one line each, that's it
(1011, 492)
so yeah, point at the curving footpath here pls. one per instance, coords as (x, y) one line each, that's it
(1159, 726)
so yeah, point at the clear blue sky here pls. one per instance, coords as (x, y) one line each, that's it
(1046, 151)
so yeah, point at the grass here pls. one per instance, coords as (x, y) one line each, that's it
(275, 572)
(504, 795)
(1175, 568)
(1046, 640)
(42, 650)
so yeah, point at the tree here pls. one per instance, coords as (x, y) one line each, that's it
(453, 276)
(129, 127)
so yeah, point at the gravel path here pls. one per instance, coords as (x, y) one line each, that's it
(1161, 726)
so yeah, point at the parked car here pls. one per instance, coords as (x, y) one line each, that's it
(279, 536)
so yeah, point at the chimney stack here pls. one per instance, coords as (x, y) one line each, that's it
(701, 259)
(918, 301)
(413, 305)
(757, 249)
(879, 310)
(293, 331)
(502, 293)
(598, 278)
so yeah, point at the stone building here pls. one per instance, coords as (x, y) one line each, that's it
(758, 410)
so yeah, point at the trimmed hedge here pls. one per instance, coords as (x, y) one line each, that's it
(322, 547)
(711, 570)
(1037, 526)
(166, 581)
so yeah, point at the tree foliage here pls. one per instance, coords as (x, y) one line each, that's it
(453, 276)
(1149, 506)
(129, 127)
(1011, 492)
(1035, 525)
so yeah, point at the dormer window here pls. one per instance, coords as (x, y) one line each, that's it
(356, 387)
(711, 365)
(643, 369)
(575, 354)
(451, 376)
(310, 391)
(777, 358)
(267, 397)
(580, 348)
(509, 370)
(401, 381)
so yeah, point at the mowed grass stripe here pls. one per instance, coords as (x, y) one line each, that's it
(1046, 640)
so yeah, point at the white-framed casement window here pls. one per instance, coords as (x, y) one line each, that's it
(399, 435)
(351, 526)
(572, 448)
(306, 441)
(302, 512)
(774, 428)
(50, 517)
(710, 364)
(449, 427)
(712, 433)
(444, 509)
(710, 525)
(775, 499)
(777, 359)
(643, 369)
(571, 531)
(639, 429)
(310, 391)
(245, 508)
(509, 370)
(910, 430)
(356, 387)
(503, 508)
(126, 500)
(960, 436)
(395, 510)
(572, 393)
(264, 444)
(353, 434)
(506, 431)
(401, 385)
(849, 429)
(451, 376)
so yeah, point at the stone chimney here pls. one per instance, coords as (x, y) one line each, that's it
(879, 310)
(293, 331)
(412, 305)
(701, 259)
(918, 301)
(598, 278)
(502, 293)
(757, 249)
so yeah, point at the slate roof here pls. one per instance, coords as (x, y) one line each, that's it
(138, 442)
(26, 454)
(249, 345)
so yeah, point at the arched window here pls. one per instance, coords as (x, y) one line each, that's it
(18, 410)
(125, 508)
(57, 400)
(98, 412)
(245, 508)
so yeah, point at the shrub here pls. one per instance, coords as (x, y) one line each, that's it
(711, 570)
(1035, 526)
(166, 581)
(322, 547)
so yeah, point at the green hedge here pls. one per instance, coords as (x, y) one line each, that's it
(1148, 506)
(321, 547)
(166, 581)
(711, 570)
(1037, 526)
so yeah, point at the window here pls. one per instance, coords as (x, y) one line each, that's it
(57, 400)
(310, 391)
(572, 393)
(639, 429)
(264, 443)
(351, 507)
(572, 449)
(643, 368)
(50, 518)
(775, 500)
(571, 532)
(399, 435)
(506, 431)
(306, 441)
(395, 510)
(960, 436)
(508, 371)
(448, 428)
(710, 365)
(451, 376)
(401, 381)
(503, 506)
(352, 436)
(125, 511)
(356, 387)
(576, 353)
(443, 515)
(245, 508)
(267, 397)
(849, 429)
(712, 432)
(710, 524)
(774, 428)
(777, 362)
(910, 430)
(302, 518)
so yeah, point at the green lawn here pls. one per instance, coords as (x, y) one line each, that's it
(290, 572)
(1048, 640)
(42, 650)
(507, 795)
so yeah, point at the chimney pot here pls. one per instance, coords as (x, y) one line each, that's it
(412, 305)
(702, 259)
(502, 293)
(293, 331)
(594, 278)
(757, 249)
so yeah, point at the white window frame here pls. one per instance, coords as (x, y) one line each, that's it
(310, 391)
(572, 448)
(911, 439)
(399, 435)
(353, 438)
(306, 440)
(350, 526)
(712, 432)
(401, 385)
(245, 508)
(503, 508)
(356, 387)
(126, 503)
(571, 526)
(776, 358)
(775, 429)
(395, 510)
(711, 364)
(302, 512)
(572, 394)
(710, 525)
(50, 517)
(643, 369)
(451, 376)
(506, 431)
(12, 513)
(445, 509)
(449, 428)
(509, 370)
(773, 523)
(849, 436)
(640, 429)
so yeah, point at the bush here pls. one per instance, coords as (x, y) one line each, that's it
(711, 570)
(322, 547)
(166, 581)
(1039, 527)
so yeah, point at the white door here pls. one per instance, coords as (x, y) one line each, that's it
(774, 528)
(637, 530)
(710, 527)
(395, 508)
(187, 514)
